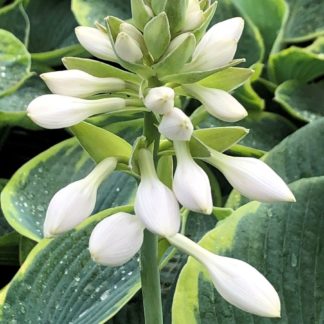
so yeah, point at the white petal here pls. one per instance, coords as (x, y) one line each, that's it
(218, 46)
(252, 178)
(191, 184)
(194, 16)
(176, 125)
(236, 281)
(230, 29)
(160, 100)
(76, 83)
(116, 239)
(75, 202)
(96, 42)
(218, 103)
(127, 48)
(243, 286)
(56, 111)
(155, 203)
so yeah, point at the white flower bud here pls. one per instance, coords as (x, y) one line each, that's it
(218, 103)
(194, 16)
(160, 100)
(76, 83)
(235, 280)
(96, 42)
(132, 31)
(127, 48)
(56, 111)
(155, 203)
(191, 184)
(218, 46)
(176, 125)
(75, 202)
(252, 178)
(116, 239)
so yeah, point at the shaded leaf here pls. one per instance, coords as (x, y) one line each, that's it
(280, 240)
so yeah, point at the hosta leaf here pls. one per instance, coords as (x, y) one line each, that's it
(13, 106)
(302, 101)
(72, 287)
(305, 20)
(304, 64)
(88, 12)
(282, 241)
(266, 129)
(13, 18)
(246, 94)
(301, 155)
(27, 194)
(51, 30)
(4, 226)
(251, 45)
(259, 12)
(14, 62)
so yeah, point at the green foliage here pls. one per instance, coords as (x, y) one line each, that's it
(280, 240)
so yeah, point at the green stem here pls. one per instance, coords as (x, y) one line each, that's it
(150, 277)
(150, 274)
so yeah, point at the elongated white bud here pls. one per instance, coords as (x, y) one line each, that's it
(75, 202)
(116, 239)
(155, 203)
(218, 103)
(191, 184)
(56, 111)
(96, 42)
(235, 280)
(194, 16)
(176, 125)
(252, 178)
(127, 48)
(76, 83)
(218, 46)
(160, 100)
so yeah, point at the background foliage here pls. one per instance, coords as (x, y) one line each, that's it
(56, 281)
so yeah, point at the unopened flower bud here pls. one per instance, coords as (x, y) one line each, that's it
(116, 239)
(218, 103)
(191, 184)
(75, 202)
(218, 46)
(56, 111)
(176, 125)
(235, 280)
(127, 48)
(155, 203)
(252, 178)
(194, 16)
(76, 83)
(160, 100)
(96, 42)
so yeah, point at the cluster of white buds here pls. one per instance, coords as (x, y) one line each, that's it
(175, 54)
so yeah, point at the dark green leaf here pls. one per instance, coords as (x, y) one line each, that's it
(305, 20)
(302, 101)
(88, 12)
(282, 241)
